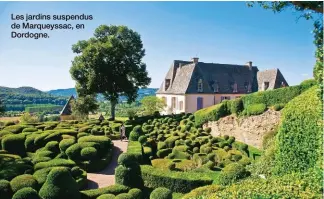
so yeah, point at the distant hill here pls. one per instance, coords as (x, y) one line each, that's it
(63, 92)
(71, 91)
(21, 90)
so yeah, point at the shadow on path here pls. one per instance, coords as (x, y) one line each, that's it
(106, 177)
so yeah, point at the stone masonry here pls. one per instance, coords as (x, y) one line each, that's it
(249, 130)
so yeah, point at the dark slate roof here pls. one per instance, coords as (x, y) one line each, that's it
(273, 76)
(184, 79)
(67, 109)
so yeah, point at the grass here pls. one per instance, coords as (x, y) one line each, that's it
(6, 119)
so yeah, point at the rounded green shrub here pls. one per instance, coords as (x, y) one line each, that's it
(161, 193)
(195, 150)
(25, 180)
(27, 130)
(208, 129)
(65, 144)
(232, 173)
(256, 109)
(26, 193)
(89, 153)
(134, 135)
(135, 193)
(14, 144)
(237, 157)
(123, 196)
(107, 196)
(60, 185)
(210, 165)
(142, 139)
(126, 159)
(52, 146)
(5, 189)
(163, 153)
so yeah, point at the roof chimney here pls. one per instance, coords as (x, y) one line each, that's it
(249, 64)
(195, 59)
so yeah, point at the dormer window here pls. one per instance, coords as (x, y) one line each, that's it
(249, 88)
(235, 87)
(216, 87)
(166, 84)
(283, 84)
(265, 85)
(200, 85)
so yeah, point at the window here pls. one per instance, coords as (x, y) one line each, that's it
(216, 87)
(164, 100)
(200, 85)
(249, 88)
(225, 98)
(283, 84)
(200, 103)
(237, 97)
(181, 105)
(167, 84)
(173, 102)
(265, 85)
(235, 88)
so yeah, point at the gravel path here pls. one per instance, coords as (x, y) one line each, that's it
(106, 177)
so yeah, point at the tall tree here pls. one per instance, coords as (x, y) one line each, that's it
(83, 105)
(2, 108)
(110, 63)
(151, 104)
(310, 10)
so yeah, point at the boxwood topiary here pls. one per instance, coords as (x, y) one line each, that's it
(161, 193)
(66, 143)
(5, 189)
(124, 196)
(232, 173)
(89, 153)
(135, 193)
(134, 135)
(107, 196)
(26, 193)
(25, 180)
(14, 144)
(60, 185)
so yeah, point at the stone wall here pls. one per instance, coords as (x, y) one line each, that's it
(249, 130)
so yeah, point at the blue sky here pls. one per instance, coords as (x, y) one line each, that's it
(218, 32)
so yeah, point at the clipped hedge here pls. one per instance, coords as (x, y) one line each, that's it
(161, 193)
(175, 181)
(14, 144)
(255, 109)
(5, 189)
(26, 193)
(299, 140)
(203, 191)
(231, 173)
(113, 189)
(23, 181)
(55, 163)
(60, 185)
(212, 113)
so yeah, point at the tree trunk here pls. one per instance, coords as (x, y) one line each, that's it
(112, 109)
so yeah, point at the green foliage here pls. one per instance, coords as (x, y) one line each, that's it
(301, 127)
(65, 144)
(133, 136)
(23, 181)
(89, 153)
(14, 144)
(278, 107)
(113, 189)
(232, 173)
(135, 193)
(83, 105)
(235, 106)
(124, 48)
(26, 193)
(107, 196)
(60, 185)
(202, 191)
(212, 113)
(55, 163)
(161, 193)
(296, 185)
(151, 104)
(5, 189)
(255, 109)
(28, 118)
(175, 181)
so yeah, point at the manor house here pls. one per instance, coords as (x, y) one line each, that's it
(192, 85)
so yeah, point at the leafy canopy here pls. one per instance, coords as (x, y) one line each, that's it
(151, 104)
(110, 63)
(83, 105)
